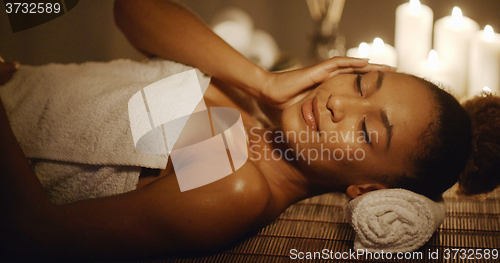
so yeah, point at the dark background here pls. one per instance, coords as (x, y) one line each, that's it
(87, 32)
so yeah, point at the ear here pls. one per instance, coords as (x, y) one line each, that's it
(356, 190)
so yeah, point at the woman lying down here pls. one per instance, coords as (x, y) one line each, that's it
(424, 143)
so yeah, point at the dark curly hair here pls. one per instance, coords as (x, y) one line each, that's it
(460, 144)
(482, 172)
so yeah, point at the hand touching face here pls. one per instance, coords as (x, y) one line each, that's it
(360, 126)
(286, 88)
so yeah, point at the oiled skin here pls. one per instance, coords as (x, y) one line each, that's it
(154, 219)
(158, 219)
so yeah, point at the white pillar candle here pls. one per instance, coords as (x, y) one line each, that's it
(433, 70)
(451, 41)
(235, 27)
(484, 67)
(378, 52)
(362, 51)
(263, 51)
(413, 35)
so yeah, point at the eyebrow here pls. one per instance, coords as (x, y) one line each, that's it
(383, 113)
(380, 79)
(387, 125)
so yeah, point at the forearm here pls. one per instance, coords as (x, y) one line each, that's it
(168, 30)
(135, 224)
(30, 222)
(19, 186)
(22, 198)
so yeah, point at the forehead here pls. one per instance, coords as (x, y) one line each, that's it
(410, 108)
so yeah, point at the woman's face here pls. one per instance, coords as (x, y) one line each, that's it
(353, 128)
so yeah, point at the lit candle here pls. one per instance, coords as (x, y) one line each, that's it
(413, 35)
(378, 52)
(484, 69)
(383, 53)
(263, 51)
(235, 27)
(433, 70)
(451, 41)
(362, 51)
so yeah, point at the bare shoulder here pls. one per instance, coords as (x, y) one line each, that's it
(152, 220)
(216, 214)
(245, 189)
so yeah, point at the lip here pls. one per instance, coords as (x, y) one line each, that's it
(308, 114)
(315, 106)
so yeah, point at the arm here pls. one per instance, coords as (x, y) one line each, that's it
(166, 29)
(20, 190)
(156, 219)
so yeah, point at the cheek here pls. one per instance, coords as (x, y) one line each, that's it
(339, 84)
(345, 153)
(339, 156)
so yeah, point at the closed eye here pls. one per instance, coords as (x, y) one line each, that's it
(358, 83)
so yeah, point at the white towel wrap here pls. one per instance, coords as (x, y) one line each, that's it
(78, 113)
(393, 220)
(72, 123)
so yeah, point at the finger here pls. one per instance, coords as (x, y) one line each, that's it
(344, 62)
(376, 67)
(384, 67)
(356, 63)
(369, 68)
(322, 71)
(9, 65)
(7, 69)
(372, 66)
(345, 71)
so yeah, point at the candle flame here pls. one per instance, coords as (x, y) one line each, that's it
(415, 7)
(364, 49)
(489, 34)
(433, 60)
(457, 19)
(378, 46)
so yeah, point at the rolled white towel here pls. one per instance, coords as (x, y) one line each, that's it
(393, 220)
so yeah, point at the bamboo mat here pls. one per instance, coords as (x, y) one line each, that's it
(318, 223)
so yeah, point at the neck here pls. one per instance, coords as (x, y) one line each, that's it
(288, 184)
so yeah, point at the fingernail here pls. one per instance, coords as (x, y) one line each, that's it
(387, 66)
(365, 59)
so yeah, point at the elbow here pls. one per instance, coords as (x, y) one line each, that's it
(121, 9)
(130, 14)
(131, 18)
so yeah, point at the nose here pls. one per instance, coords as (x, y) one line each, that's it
(339, 106)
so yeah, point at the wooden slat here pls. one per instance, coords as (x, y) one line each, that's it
(318, 223)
